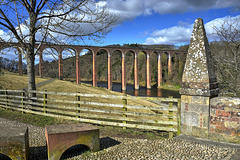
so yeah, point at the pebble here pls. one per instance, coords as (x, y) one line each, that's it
(117, 148)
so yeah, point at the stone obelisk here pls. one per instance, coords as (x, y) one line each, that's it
(199, 84)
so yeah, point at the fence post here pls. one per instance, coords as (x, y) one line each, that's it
(6, 98)
(45, 101)
(124, 101)
(78, 105)
(179, 118)
(170, 118)
(23, 94)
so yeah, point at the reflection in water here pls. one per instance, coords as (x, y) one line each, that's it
(143, 91)
(159, 93)
(149, 92)
(136, 92)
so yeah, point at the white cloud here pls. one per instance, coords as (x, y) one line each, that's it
(9, 53)
(182, 34)
(173, 35)
(130, 9)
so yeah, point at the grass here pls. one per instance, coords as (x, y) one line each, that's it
(9, 80)
(35, 120)
(171, 87)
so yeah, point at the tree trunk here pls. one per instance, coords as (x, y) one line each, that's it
(31, 73)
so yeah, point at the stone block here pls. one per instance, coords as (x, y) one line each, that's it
(220, 129)
(223, 113)
(200, 132)
(186, 129)
(200, 100)
(232, 124)
(14, 142)
(199, 108)
(217, 121)
(186, 99)
(183, 107)
(61, 137)
(205, 119)
(192, 118)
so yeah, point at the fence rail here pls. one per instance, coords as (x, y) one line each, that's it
(124, 111)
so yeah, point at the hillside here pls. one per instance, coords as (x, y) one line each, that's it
(10, 80)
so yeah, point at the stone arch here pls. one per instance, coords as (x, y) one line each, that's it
(74, 150)
(89, 49)
(69, 63)
(165, 65)
(102, 65)
(142, 67)
(176, 74)
(129, 63)
(154, 67)
(48, 54)
(87, 54)
(116, 66)
(4, 157)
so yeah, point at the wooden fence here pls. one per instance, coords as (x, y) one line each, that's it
(123, 111)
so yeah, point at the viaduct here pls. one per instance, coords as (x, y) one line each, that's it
(109, 50)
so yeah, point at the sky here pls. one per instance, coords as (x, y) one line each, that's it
(165, 21)
(162, 21)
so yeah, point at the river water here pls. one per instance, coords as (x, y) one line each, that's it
(143, 91)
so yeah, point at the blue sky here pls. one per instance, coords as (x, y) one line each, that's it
(160, 21)
(164, 21)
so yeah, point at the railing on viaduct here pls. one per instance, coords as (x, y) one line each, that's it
(109, 49)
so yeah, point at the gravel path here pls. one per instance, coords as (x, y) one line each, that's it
(127, 148)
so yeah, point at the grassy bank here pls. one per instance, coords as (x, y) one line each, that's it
(9, 80)
(171, 87)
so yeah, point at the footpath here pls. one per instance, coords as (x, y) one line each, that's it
(40, 84)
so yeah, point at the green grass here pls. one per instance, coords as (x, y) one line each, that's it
(35, 120)
(171, 87)
(9, 80)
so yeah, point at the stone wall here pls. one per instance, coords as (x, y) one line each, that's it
(195, 115)
(225, 119)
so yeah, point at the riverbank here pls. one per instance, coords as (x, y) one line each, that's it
(170, 87)
(141, 84)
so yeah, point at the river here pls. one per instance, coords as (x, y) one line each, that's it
(143, 91)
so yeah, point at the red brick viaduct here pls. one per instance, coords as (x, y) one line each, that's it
(109, 49)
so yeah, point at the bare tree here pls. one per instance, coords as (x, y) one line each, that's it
(34, 22)
(226, 53)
